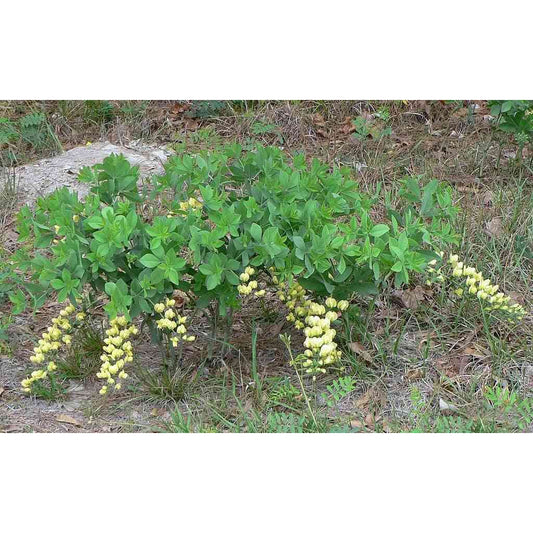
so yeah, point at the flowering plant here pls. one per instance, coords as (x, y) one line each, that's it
(218, 227)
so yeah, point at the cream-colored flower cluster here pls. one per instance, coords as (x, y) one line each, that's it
(117, 352)
(56, 336)
(316, 321)
(484, 289)
(172, 323)
(192, 204)
(248, 285)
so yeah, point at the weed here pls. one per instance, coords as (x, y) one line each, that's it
(339, 389)
(99, 112)
(165, 385)
(83, 357)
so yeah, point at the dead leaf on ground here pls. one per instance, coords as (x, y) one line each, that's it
(423, 336)
(274, 330)
(411, 298)
(11, 429)
(447, 408)
(319, 121)
(356, 424)
(448, 367)
(2, 390)
(157, 411)
(373, 399)
(347, 127)
(191, 125)
(494, 228)
(180, 297)
(66, 419)
(415, 373)
(487, 198)
(517, 297)
(359, 349)
(476, 351)
(179, 108)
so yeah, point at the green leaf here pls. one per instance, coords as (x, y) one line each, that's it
(18, 300)
(397, 267)
(256, 232)
(150, 261)
(379, 230)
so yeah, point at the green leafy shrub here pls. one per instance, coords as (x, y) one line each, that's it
(98, 111)
(207, 108)
(376, 129)
(514, 117)
(218, 226)
(30, 131)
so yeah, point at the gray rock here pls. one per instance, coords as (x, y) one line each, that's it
(47, 175)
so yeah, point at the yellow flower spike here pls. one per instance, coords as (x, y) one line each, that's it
(343, 305)
(459, 292)
(331, 302)
(244, 277)
(103, 390)
(159, 308)
(118, 386)
(169, 313)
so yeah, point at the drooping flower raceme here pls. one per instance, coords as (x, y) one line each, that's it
(249, 285)
(117, 351)
(316, 320)
(172, 323)
(57, 336)
(473, 283)
(488, 293)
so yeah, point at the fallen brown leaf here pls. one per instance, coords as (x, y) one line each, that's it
(423, 336)
(517, 297)
(415, 373)
(11, 429)
(191, 124)
(494, 228)
(178, 108)
(487, 198)
(348, 127)
(411, 298)
(319, 121)
(447, 408)
(359, 349)
(364, 399)
(66, 419)
(373, 399)
(475, 351)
